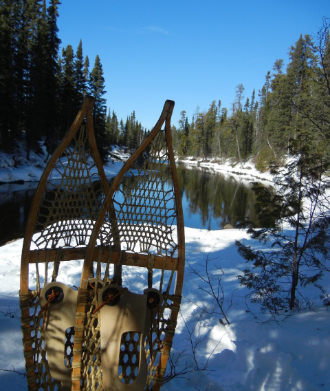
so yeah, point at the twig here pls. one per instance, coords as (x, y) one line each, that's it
(14, 371)
(11, 314)
(173, 364)
(215, 290)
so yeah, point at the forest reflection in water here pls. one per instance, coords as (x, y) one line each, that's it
(210, 201)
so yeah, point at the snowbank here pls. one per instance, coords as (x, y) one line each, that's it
(15, 168)
(244, 355)
(246, 170)
(207, 354)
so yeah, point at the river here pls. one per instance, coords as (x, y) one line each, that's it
(210, 201)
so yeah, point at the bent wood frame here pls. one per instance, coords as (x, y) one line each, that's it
(27, 297)
(174, 264)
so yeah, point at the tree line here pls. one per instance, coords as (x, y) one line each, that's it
(292, 102)
(42, 88)
(294, 119)
(287, 130)
(41, 91)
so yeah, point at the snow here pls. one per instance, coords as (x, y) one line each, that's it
(245, 170)
(15, 168)
(247, 354)
(244, 355)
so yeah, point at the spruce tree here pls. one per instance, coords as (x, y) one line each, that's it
(236, 120)
(70, 100)
(36, 118)
(298, 256)
(22, 58)
(80, 78)
(183, 135)
(53, 86)
(210, 125)
(122, 133)
(228, 140)
(97, 89)
(42, 89)
(114, 128)
(197, 135)
(246, 130)
(318, 113)
(127, 133)
(86, 75)
(7, 50)
(293, 257)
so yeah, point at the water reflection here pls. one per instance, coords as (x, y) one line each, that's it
(210, 201)
(15, 202)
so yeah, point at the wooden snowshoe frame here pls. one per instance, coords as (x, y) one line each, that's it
(136, 222)
(73, 185)
(145, 237)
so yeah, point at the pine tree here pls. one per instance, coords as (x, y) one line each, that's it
(210, 125)
(80, 78)
(274, 120)
(298, 257)
(127, 131)
(318, 113)
(114, 129)
(108, 128)
(246, 131)
(37, 119)
(228, 139)
(53, 86)
(197, 135)
(7, 50)
(132, 138)
(86, 75)
(300, 82)
(278, 65)
(217, 142)
(70, 100)
(122, 133)
(183, 135)
(97, 89)
(237, 119)
(42, 87)
(22, 59)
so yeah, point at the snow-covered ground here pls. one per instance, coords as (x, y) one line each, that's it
(207, 355)
(17, 169)
(244, 355)
(245, 170)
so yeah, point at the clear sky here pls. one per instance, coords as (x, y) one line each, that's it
(190, 51)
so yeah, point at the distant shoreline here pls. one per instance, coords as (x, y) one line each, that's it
(246, 170)
(30, 171)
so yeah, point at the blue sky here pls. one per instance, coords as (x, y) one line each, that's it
(192, 52)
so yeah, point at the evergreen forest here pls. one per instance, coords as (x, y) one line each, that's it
(293, 107)
(42, 87)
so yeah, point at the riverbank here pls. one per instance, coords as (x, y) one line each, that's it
(16, 169)
(247, 169)
(210, 199)
(207, 353)
(246, 354)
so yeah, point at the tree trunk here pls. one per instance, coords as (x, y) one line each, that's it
(238, 149)
(295, 263)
